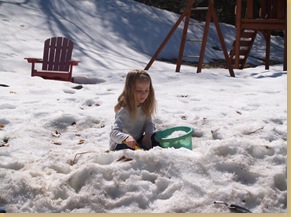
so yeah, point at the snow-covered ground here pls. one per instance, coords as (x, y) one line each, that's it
(54, 136)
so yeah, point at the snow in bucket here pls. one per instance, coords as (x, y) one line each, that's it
(176, 137)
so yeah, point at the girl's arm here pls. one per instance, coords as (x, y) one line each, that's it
(149, 130)
(149, 126)
(117, 136)
(117, 133)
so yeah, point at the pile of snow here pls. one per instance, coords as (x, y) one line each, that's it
(54, 136)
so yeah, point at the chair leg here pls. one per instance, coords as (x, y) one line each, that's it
(32, 68)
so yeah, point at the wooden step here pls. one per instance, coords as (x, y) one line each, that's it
(247, 34)
(196, 24)
(244, 43)
(194, 40)
(240, 61)
(191, 57)
(200, 9)
(243, 52)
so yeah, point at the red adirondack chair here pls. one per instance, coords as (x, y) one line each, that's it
(56, 62)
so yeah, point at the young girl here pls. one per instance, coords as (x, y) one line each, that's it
(133, 127)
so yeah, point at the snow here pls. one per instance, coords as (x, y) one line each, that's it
(54, 135)
(175, 134)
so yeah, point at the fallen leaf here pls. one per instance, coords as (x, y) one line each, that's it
(123, 158)
(184, 117)
(4, 144)
(81, 141)
(4, 85)
(56, 134)
(78, 87)
(74, 124)
(56, 142)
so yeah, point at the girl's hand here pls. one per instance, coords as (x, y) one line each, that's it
(130, 142)
(147, 141)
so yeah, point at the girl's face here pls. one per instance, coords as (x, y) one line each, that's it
(142, 90)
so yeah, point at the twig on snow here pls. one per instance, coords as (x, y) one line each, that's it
(249, 133)
(74, 161)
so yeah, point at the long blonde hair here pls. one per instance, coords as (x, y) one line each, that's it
(127, 97)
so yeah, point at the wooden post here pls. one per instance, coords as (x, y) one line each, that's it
(184, 34)
(285, 50)
(238, 31)
(222, 43)
(250, 9)
(269, 9)
(205, 36)
(268, 44)
(281, 8)
(263, 10)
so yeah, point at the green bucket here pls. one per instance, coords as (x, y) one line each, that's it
(176, 137)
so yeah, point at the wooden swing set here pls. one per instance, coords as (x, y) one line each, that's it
(251, 16)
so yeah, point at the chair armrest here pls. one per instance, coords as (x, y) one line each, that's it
(74, 62)
(33, 60)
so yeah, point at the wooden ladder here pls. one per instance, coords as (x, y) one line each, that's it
(184, 39)
(187, 14)
(245, 43)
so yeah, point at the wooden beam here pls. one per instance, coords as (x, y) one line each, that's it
(250, 9)
(205, 36)
(238, 32)
(267, 34)
(263, 9)
(281, 9)
(285, 51)
(222, 43)
(165, 41)
(263, 25)
(184, 34)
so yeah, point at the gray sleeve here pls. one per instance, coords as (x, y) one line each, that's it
(116, 134)
(149, 126)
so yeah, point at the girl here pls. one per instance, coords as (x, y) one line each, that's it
(133, 126)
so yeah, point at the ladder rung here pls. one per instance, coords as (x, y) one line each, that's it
(240, 61)
(243, 52)
(191, 56)
(240, 58)
(196, 24)
(200, 9)
(247, 34)
(244, 43)
(194, 40)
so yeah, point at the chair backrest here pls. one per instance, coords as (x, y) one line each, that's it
(57, 53)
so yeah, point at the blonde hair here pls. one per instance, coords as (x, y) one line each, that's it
(127, 97)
